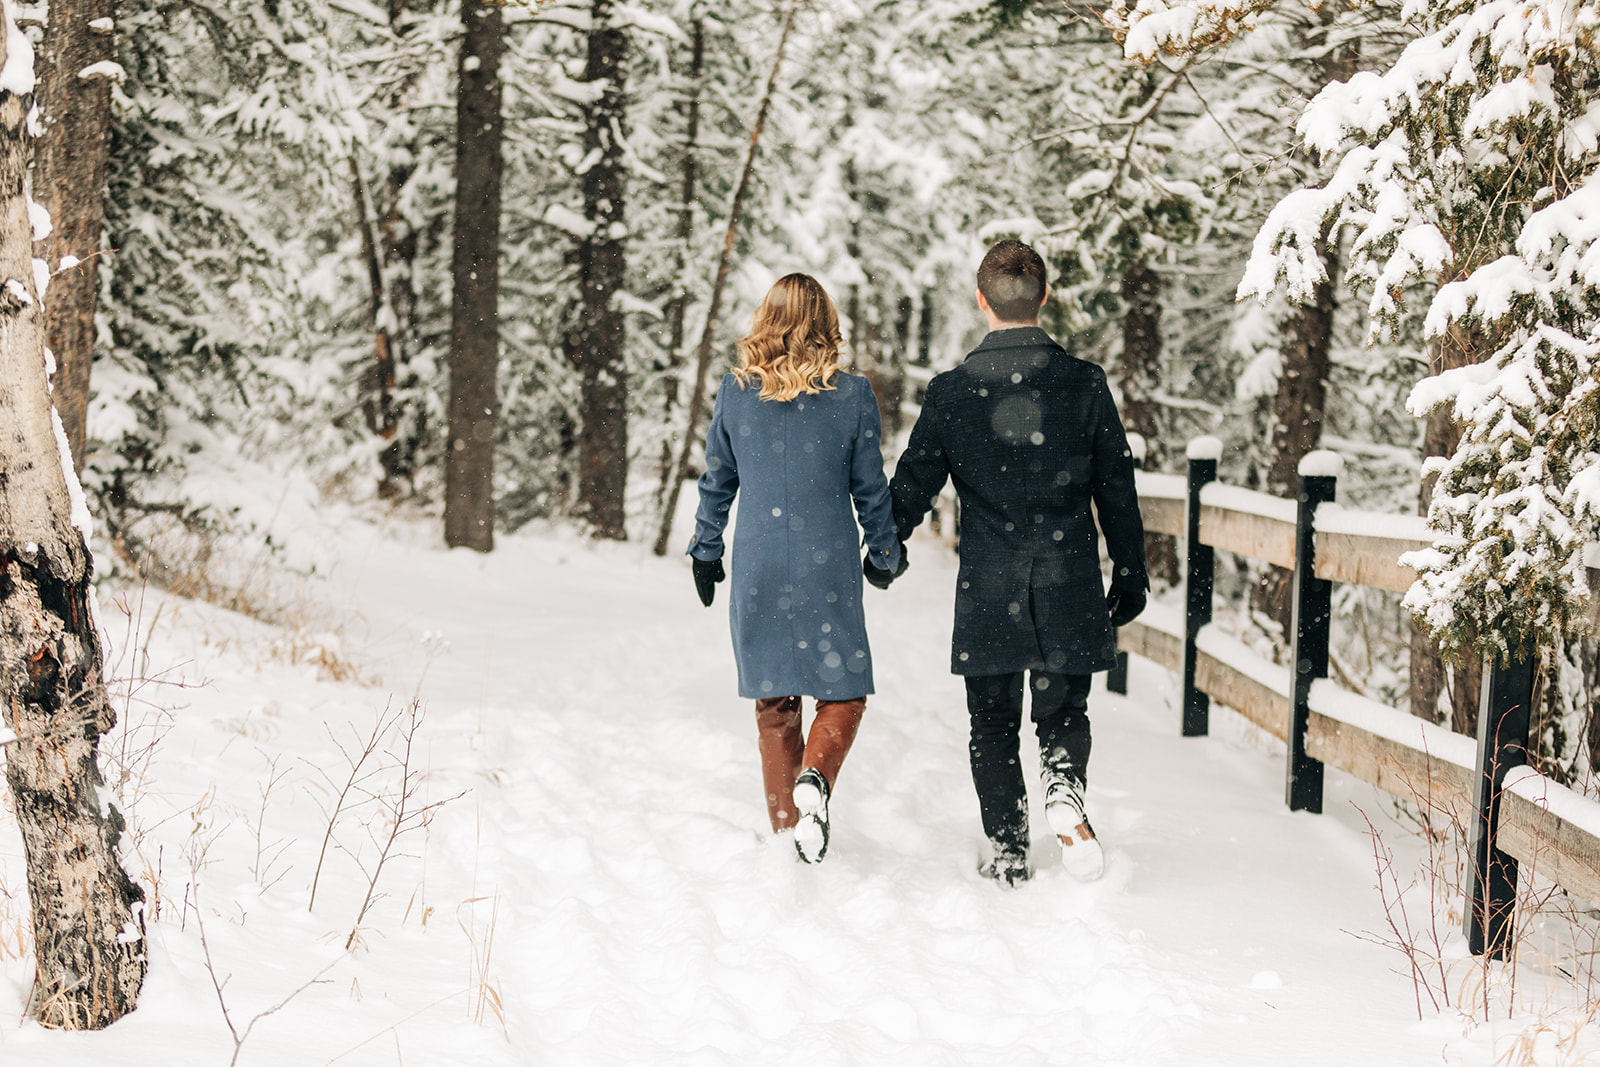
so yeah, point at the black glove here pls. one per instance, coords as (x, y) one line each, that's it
(880, 577)
(707, 573)
(1123, 603)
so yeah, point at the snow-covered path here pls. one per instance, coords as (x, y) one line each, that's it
(609, 883)
(656, 919)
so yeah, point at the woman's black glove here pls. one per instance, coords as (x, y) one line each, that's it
(1123, 603)
(879, 577)
(707, 573)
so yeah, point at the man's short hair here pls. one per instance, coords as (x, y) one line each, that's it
(1011, 279)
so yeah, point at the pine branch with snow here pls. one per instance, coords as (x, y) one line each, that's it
(1468, 168)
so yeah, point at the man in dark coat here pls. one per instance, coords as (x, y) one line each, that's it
(1031, 438)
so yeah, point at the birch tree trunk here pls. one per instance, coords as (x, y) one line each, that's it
(87, 921)
(69, 177)
(596, 341)
(474, 405)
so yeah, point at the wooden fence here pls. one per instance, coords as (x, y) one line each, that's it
(1513, 813)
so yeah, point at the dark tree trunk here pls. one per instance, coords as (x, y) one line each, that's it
(678, 306)
(389, 249)
(892, 395)
(864, 309)
(1303, 376)
(378, 376)
(398, 241)
(69, 179)
(1303, 382)
(595, 342)
(1141, 356)
(475, 306)
(1297, 417)
(88, 927)
(925, 330)
(878, 360)
(1141, 378)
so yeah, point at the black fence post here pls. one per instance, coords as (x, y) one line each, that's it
(1117, 677)
(1200, 575)
(1313, 618)
(1503, 718)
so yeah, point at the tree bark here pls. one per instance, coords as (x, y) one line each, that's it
(1297, 418)
(404, 422)
(378, 376)
(1141, 377)
(70, 177)
(678, 306)
(88, 925)
(1306, 350)
(475, 306)
(925, 330)
(697, 399)
(596, 341)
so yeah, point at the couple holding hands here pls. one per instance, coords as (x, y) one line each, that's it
(1030, 437)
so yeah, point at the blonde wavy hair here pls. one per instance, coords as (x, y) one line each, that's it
(794, 340)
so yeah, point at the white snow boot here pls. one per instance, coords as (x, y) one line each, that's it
(811, 801)
(1081, 853)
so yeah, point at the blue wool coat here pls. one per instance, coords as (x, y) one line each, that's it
(794, 588)
(1031, 438)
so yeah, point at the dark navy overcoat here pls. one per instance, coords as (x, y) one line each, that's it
(1030, 437)
(794, 582)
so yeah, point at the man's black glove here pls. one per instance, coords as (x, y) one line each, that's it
(1123, 603)
(707, 573)
(879, 577)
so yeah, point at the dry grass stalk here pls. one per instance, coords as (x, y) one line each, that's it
(485, 996)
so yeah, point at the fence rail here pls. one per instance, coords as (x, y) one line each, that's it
(1514, 814)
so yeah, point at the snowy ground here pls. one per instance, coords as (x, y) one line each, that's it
(604, 891)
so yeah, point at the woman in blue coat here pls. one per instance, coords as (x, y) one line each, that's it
(797, 440)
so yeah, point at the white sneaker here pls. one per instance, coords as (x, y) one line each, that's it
(1081, 853)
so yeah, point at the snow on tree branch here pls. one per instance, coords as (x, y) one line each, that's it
(1468, 170)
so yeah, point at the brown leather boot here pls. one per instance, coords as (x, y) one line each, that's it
(833, 731)
(781, 744)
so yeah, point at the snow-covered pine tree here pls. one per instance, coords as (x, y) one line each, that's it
(1472, 161)
(228, 179)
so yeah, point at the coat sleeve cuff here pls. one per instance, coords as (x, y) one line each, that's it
(704, 550)
(885, 559)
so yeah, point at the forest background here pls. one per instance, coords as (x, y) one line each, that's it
(480, 261)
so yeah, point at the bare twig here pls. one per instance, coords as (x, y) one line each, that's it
(381, 725)
(1402, 937)
(261, 869)
(197, 854)
(404, 813)
(218, 985)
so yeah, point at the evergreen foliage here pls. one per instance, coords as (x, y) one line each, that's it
(1471, 162)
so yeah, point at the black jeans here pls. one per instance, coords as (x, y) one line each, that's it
(1061, 719)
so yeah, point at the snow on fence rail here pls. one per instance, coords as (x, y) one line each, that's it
(1514, 813)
